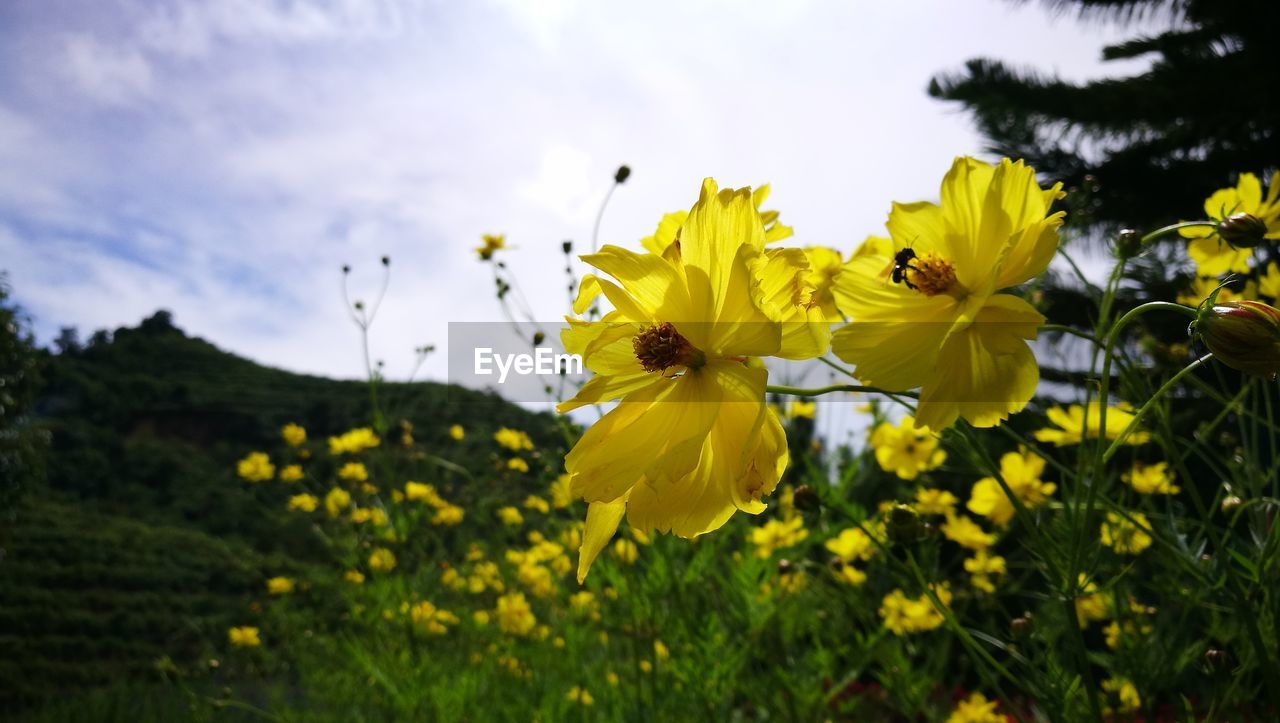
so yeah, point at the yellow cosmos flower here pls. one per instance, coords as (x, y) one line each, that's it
(354, 471)
(825, 265)
(1091, 605)
(291, 473)
(517, 464)
(448, 516)
(625, 551)
(1151, 479)
(1212, 255)
(850, 545)
(976, 709)
(967, 533)
(304, 503)
(1269, 283)
(935, 502)
(489, 243)
(382, 560)
(244, 637)
(1073, 421)
(1124, 536)
(420, 492)
(941, 326)
(513, 439)
(514, 615)
(280, 586)
(1203, 286)
(510, 516)
(777, 534)
(354, 577)
(354, 441)
(691, 440)
(537, 504)
(906, 449)
(669, 227)
(799, 409)
(561, 492)
(293, 434)
(1021, 471)
(982, 568)
(336, 501)
(456, 432)
(1125, 692)
(256, 467)
(579, 695)
(905, 616)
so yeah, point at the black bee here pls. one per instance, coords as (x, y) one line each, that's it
(897, 269)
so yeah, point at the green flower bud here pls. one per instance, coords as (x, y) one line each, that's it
(1242, 230)
(1244, 335)
(624, 172)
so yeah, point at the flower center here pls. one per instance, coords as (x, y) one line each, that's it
(660, 347)
(930, 275)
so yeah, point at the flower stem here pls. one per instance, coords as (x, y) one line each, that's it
(1137, 417)
(1164, 231)
(819, 391)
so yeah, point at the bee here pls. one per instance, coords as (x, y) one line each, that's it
(898, 268)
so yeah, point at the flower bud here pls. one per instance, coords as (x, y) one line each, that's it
(785, 566)
(538, 338)
(1022, 627)
(904, 525)
(624, 172)
(1242, 230)
(1128, 243)
(567, 246)
(806, 499)
(1244, 335)
(386, 260)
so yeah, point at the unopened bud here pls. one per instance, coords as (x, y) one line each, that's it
(1242, 230)
(1218, 659)
(624, 172)
(904, 525)
(1128, 243)
(784, 566)
(346, 268)
(1231, 503)
(1021, 627)
(538, 337)
(386, 260)
(836, 564)
(1244, 335)
(806, 499)
(567, 246)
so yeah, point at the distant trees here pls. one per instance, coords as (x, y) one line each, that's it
(22, 445)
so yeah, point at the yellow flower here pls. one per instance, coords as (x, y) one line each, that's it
(646, 666)
(430, 619)
(583, 601)
(561, 492)
(375, 515)
(304, 503)
(612, 678)
(355, 577)
(280, 586)
(906, 450)
(489, 244)
(382, 560)
(580, 695)
(354, 471)
(448, 516)
(850, 545)
(850, 575)
(1269, 283)
(1203, 286)
(336, 501)
(691, 441)
(256, 467)
(935, 502)
(777, 534)
(456, 432)
(291, 473)
(1070, 422)
(537, 504)
(354, 441)
(515, 617)
(513, 439)
(660, 651)
(903, 615)
(967, 533)
(518, 464)
(1212, 256)
(625, 551)
(419, 492)
(799, 409)
(480, 617)
(1151, 479)
(1126, 693)
(244, 637)
(1021, 471)
(510, 516)
(293, 435)
(982, 567)
(942, 327)
(1124, 536)
(976, 709)
(670, 226)
(825, 266)
(1091, 605)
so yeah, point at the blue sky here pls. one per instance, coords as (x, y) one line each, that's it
(224, 159)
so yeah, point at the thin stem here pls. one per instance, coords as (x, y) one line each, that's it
(595, 230)
(818, 391)
(1165, 230)
(1137, 417)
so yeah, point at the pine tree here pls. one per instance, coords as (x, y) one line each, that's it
(1148, 148)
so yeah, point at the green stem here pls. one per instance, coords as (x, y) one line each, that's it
(1137, 417)
(818, 391)
(1174, 227)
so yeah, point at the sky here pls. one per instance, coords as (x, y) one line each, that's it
(223, 160)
